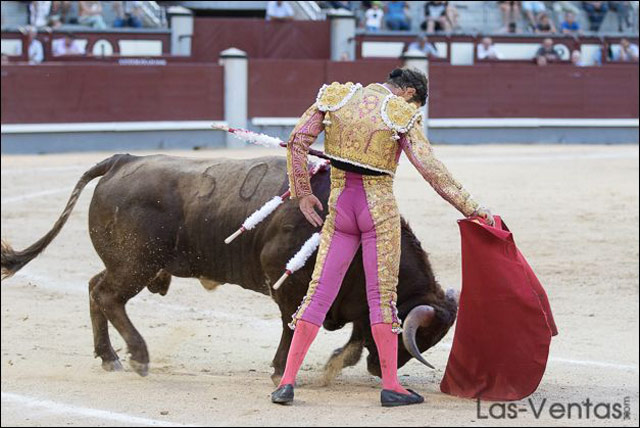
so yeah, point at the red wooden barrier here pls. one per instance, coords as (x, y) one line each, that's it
(104, 93)
(260, 38)
(65, 92)
(526, 90)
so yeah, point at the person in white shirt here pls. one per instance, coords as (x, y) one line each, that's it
(576, 59)
(627, 51)
(67, 45)
(373, 17)
(422, 45)
(487, 50)
(35, 51)
(39, 13)
(279, 11)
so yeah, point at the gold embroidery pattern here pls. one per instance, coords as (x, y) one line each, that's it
(303, 135)
(358, 134)
(332, 97)
(338, 182)
(421, 155)
(400, 113)
(386, 218)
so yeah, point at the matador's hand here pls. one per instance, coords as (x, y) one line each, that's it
(307, 204)
(485, 213)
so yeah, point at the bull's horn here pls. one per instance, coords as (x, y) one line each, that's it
(420, 316)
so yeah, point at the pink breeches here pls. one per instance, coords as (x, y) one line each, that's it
(362, 211)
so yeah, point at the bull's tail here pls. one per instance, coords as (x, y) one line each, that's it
(12, 261)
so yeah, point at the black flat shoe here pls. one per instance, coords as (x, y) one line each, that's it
(390, 398)
(283, 395)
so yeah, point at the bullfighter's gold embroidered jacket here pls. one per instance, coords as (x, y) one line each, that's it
(369, 127)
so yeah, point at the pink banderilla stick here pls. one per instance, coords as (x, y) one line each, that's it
(262, 139)
(269, 207)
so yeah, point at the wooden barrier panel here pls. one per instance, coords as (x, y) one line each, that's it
(108, 93)
(281, 88)
(285, 88)
(260, 39)
(525, 90)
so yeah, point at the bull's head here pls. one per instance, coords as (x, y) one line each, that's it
(424, 326)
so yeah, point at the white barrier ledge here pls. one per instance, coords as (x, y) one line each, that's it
(47, 128)
(202, 125)
(488, 123)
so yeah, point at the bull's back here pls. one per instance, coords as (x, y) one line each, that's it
(179, 210)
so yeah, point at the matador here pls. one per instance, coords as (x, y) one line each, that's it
(366, 130)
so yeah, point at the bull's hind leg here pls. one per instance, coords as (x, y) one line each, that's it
(111, 294)
(347, 356)
(101, 342)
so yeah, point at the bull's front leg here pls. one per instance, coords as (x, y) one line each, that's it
(280, 359)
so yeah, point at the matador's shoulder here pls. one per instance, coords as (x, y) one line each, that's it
(398, 114)
(334, 96)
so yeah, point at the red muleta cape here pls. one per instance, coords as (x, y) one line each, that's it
(504, 327)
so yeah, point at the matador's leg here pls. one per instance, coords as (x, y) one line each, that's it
(381, 256)
(338, 245)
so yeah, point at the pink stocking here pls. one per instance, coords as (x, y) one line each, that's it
(387, 344)
(302, 338)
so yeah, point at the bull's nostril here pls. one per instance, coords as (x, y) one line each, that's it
(453, 295)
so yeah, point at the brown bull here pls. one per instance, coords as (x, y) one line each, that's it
(155, 217)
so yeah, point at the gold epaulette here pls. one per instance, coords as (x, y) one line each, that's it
(398, 114)
(336, 95)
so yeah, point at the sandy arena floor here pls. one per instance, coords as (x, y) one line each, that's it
(574, 214)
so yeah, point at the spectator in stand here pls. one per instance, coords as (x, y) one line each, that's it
(346, 5)
(373, 17)
(279, 11)
(128, 14)
(360, 12)
(547, 53)
(90, 14)
(570, 25)
(487, 50)
(452, 16)
(622, 9)
(39, 13)
(545, 25)
(576, 59)
(423, 45)
(35, 50)
(396, 15)
(510, 11)
(596, 11)
(627, 52)
(560, 7)
(532, 10)
(67, 45)
(436, 17)
(60, 12)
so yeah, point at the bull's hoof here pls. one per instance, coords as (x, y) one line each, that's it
(276, 378)
(374, 369)
(141, 368)
(112, 366)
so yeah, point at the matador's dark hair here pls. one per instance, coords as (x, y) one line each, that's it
(411, 78)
